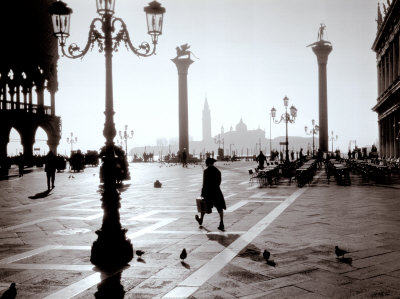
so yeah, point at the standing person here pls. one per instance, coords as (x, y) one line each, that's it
(260, 159)
(21, 165)
(50, 169)
(212, 193)
(184, 157)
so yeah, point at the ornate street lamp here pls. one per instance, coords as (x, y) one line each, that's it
(333, 138)
(124, 136)
(72, 140)
(287, 118)
(313, 131)
(112, 248)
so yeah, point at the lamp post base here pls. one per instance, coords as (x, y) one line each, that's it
(111, 250)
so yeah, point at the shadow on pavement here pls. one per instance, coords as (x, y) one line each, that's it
(186, 265)
(224, 240)
(40, 195)
(346, 260)
(110, 285)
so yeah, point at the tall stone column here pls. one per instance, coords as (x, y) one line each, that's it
(322, 49)
(182, 65)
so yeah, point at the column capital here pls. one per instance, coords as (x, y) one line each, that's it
(322, 50)
(182, 64)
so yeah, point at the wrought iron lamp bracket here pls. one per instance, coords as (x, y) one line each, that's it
(74, 51)
(144, 48)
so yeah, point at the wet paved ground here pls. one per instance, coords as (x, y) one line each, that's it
(45, 241)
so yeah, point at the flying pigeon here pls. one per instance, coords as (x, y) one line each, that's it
(340, 252)
(139, 253)
(266, 255)
(10, 293)
(183, 254)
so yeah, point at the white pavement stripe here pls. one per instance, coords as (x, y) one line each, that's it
(25, 224)
(230, 195)
(48, 267)
(78, 203)
(144, 215)
(4, 229)
(236, 206)
(74, 247)
(76, 288)
(171, 180)
(199, 277)
(241, 203)
(244, 182)
(252, 187)
(27, 254)
(196, 232)
(28, 206)
(258, 195)
(151, 228)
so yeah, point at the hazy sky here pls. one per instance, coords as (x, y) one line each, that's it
(252, 53)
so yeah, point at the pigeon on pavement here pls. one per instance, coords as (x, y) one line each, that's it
(139, 253)
(10, 293)
(183, 254)
(340, 252)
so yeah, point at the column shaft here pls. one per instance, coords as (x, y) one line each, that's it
(183, 66)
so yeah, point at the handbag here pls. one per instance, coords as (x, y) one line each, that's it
(201, 205)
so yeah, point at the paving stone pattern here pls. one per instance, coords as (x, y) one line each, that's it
(45, 239)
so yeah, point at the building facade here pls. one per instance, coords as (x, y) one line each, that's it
(387, 49)
(28, 73)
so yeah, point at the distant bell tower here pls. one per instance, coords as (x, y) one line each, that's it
(206, 122)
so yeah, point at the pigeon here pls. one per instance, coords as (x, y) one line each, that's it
(157, 184)
(10, 293)
(139, 253)
(266, 255)
(183, 254)
(340, 252)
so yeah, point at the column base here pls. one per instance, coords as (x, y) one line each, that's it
(111, 250)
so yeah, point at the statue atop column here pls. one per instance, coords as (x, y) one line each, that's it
(183, 51)
(322, 37)
(321, 32)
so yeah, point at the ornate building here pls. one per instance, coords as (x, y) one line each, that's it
(28, 73)
(387, 48)
(241, 140)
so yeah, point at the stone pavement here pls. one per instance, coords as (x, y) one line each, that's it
(45, 239)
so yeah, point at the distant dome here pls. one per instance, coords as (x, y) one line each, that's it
(241, 126)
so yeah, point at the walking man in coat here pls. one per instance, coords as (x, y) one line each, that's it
(212, 193)
(50, 169)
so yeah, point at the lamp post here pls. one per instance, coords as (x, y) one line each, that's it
(112, 248)
(287, 118)
(313, 131)
(72, 140)
(124, 136)
(270, 139)
(333, 138)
